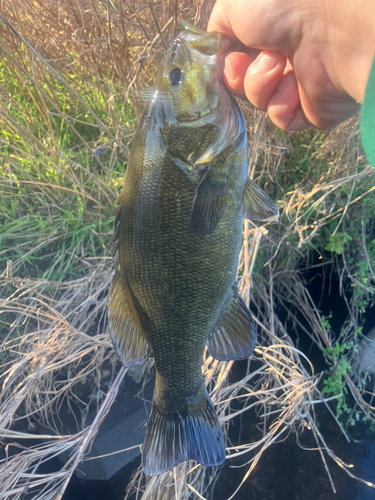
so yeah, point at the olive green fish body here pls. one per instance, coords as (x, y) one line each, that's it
(180, 279)
(177, 238)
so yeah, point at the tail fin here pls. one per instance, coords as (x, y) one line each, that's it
(172, 438)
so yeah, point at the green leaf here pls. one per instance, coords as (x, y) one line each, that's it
(336, 242)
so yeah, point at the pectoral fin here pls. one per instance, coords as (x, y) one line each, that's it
(234, 336)
(257, 204)
(127, 334)
(209, 204)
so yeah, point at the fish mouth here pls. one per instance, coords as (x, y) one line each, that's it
(205, 42)
(209, 49)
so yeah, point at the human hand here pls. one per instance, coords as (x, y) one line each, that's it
(315, 57)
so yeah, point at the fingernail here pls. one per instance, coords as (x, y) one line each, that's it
(266, 63)
(229, 70)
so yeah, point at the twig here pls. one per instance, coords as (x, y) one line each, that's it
(157, 25)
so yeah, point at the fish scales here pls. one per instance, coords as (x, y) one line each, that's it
(178, 233)
(174, 273)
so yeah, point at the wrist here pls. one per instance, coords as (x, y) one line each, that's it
(351, 38)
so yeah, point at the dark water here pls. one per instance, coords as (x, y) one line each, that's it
(287, 472)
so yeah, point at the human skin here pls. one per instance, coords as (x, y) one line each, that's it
(315, 57)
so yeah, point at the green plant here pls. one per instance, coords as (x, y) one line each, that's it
(336, 242)
(334, 385)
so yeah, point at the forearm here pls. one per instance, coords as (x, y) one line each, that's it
(351, 39)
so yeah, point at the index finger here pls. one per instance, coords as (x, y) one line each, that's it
(219, 21)
(262, 24)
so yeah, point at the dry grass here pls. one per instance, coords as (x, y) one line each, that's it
(76, 71)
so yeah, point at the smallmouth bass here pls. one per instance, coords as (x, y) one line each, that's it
(178, 233)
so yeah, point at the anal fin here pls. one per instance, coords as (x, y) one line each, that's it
(126, 331)
(234, 336)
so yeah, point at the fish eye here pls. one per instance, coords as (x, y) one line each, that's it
(175, 76)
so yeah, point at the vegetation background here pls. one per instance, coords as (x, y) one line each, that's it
(74, 75)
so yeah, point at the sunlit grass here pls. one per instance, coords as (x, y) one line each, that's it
(61, 167)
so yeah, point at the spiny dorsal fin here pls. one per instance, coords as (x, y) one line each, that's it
(126, 331)
(257, 204)
(209, 204)
(234, 336)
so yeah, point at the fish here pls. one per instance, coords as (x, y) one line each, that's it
(178, 233)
